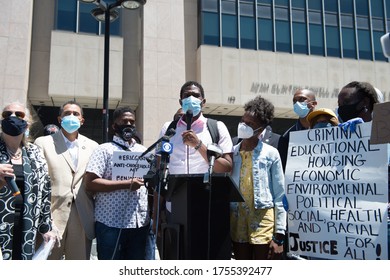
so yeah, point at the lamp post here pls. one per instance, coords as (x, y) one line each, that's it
(106, 12)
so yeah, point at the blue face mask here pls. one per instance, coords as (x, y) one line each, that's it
(322, 125)
(70, 123)
(301, 109)
(192, 103)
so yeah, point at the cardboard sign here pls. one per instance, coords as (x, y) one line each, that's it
(380, 132)
(127, 165)
(336, 187)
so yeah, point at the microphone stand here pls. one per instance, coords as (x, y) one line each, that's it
(207, 180)
(163, 171)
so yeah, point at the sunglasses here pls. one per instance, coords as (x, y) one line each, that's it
(7, 114)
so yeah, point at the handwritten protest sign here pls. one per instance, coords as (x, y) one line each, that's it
(336, 187)
(127, 165)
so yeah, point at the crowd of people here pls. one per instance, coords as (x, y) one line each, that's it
(60, 187)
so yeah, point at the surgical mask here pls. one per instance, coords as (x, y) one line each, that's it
(13, 126)
(322, 125)
(126, 132)
(244, 131)
(70, 123)
(191, 103)
(347, 112)
(301, 109)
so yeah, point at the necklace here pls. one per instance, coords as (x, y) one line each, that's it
(15, 155)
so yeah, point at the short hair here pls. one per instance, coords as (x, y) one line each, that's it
(70, 102)
(262, 109)
(28, 118)
(120, 111)
(364, 89)
(191, 83)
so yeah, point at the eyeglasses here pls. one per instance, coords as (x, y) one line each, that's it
(19, 114)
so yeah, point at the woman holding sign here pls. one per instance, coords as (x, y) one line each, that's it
(257, 225)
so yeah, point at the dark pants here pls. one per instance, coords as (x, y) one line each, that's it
(120, 244)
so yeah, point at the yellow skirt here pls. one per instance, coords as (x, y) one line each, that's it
(254, 226)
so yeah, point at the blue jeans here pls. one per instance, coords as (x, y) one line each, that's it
(150, 249)
(120, 244)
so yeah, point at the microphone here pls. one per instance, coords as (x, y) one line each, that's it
(189, 115)
(213, 153)
(164, 149)
(167, 135)
(12, 185)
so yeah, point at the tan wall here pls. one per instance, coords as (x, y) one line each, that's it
(231, 77)
(15, 44)
(163, 65)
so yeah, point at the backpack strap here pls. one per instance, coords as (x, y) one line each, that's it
(211, 125)
(213, 128)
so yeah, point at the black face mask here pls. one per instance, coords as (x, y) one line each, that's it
(347, 112)
(13, 126)
(126, 132)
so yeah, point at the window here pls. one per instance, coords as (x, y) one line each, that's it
(298, 4)
(248, 33)
(264, 11)
(209, 25)
(331, 6)
(283, 38)
(87, 23)
(315, 5)
(362, 7)
(66, 15)
(300, 38)
(364, 42)
(76, 16)
(316, 39)
(337, 28)
(346, 6)
(210, 29)
(349, 43)
(299, 27)
(377, 9)
(266, 41)
(247, 25)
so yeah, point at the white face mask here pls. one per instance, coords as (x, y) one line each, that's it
(245, 131)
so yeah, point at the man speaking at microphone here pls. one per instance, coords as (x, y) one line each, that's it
(193, 134)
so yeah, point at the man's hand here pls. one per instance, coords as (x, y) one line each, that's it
(136, 183)
(351, 124)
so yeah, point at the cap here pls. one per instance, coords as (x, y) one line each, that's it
(320, 111)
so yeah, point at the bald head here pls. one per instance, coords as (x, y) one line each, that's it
(302, 95)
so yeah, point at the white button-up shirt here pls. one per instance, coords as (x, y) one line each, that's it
(73, 148)
(181, 155)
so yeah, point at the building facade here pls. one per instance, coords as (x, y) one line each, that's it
(53, 51)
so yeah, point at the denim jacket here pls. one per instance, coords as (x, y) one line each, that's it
(268, 181)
